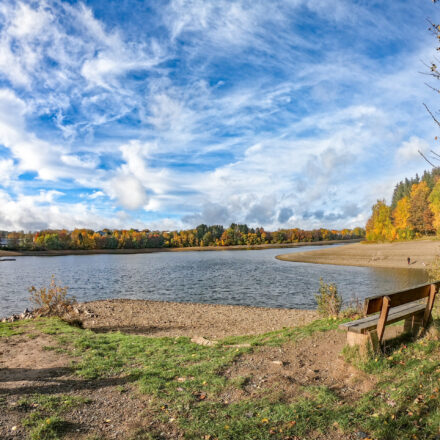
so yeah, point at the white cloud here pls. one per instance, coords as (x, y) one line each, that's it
(27, 21)
(96, 195)
(32, 213)
(6, 171)
(409, 150)
(129, 192)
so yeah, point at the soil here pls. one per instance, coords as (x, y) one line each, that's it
(159, 318)
(390, 255)
(286, 370)
(27, 368)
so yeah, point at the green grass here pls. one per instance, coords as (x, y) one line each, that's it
(185, 382)
(44, 421)
(280, 337)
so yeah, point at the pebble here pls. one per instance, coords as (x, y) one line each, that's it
(25, 315)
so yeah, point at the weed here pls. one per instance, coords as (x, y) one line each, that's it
(329, 300)
(52, 300)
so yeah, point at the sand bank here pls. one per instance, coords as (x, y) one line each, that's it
(391, 255)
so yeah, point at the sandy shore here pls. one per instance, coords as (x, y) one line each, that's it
(54, 253)
(391, 255)
(157, 318)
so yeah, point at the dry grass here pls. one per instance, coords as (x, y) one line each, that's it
(52, 300)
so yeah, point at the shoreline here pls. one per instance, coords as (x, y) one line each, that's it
(55, 253)
(383, 255)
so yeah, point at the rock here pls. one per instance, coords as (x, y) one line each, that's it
(203, 341)
(238, 346)
(280, 363)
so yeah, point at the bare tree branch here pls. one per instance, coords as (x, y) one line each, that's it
(432, 88)
(432, 116)
(424, 157)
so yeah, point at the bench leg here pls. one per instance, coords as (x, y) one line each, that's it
(362, 340)
(414, 324)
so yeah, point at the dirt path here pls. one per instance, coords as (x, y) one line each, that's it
(391, 255)
(29, 369)
(157, 318)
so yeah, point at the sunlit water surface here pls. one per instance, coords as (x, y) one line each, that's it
(253, 278)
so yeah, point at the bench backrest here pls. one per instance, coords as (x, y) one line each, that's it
(373, 304)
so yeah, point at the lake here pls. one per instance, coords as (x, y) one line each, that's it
(253, 278)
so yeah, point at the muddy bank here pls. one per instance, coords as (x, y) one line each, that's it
(386, 255)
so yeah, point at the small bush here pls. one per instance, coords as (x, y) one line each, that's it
(328, 299)
(52, 300)
(354, 309)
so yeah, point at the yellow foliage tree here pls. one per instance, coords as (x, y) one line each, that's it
(434, 204)
(379, 226)
(420, 214)
(401, 218)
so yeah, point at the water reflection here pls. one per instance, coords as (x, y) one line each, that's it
(253, 278)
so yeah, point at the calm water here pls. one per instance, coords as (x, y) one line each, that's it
(229, 277)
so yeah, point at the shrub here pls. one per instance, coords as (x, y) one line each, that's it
(52, 300)
(354, 309)
(328, 299)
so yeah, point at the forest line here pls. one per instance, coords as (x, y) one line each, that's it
(202, 235)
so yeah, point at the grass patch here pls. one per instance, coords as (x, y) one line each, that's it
(186, 384)
(45, 422)
(280, 337)
(8, 329)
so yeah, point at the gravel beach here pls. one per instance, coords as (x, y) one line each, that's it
(157, 318)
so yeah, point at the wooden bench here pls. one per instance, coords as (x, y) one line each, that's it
(412, 305)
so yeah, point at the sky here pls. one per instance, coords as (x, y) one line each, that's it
(164, 115)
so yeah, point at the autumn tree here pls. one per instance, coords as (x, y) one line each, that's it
(420, 214)
(434, 204)
(401, 216)
(379, 226)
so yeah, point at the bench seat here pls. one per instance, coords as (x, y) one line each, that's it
(398, 313)
(413, 306)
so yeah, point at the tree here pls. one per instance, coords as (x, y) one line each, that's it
(379, 226)
(434, 204)
(421, 216)
(401, 218)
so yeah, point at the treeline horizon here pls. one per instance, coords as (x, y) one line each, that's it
(202, 235)
(414, 211)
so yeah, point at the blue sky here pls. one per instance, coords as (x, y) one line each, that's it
(146, 114)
